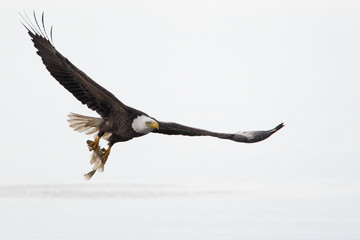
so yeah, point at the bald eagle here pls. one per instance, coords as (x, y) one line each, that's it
(118, 122)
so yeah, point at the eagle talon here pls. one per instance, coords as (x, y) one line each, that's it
(105, 155)
(93, 145)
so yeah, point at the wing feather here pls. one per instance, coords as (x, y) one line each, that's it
(170, 128)
(86, 90)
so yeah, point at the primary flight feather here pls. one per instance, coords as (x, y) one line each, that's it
(118, 122)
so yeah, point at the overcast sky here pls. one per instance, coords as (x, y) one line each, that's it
(219, 65)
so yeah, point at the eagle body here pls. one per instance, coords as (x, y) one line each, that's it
(117, 122)
(116, 129)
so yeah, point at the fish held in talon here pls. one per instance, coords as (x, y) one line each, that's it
(89, 175)
(117, 122)
(97, 161)
(97, 157)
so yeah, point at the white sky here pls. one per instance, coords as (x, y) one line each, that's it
(219, 65)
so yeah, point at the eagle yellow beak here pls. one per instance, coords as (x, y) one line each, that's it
(153, 124)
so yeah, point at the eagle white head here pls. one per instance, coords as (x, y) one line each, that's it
(144, 124)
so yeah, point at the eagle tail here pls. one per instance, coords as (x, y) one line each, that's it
(88, 125)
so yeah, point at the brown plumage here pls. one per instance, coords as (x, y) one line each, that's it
(118, 122)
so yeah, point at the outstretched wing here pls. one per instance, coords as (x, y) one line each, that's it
(67, 74)
(246, 137)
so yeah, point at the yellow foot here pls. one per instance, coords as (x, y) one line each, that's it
(104, 157)
(93, 145)
(106, 154)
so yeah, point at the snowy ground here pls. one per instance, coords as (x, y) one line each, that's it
(177, 212)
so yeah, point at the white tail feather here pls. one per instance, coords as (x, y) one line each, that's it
(82, 123)
(106, 135)
(88, 125)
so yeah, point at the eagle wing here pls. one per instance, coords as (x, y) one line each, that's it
(170, 128)
(86, 90)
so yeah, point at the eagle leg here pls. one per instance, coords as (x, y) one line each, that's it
(105, 156)
(94, 145)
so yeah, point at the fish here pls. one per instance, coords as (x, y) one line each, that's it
(96, 160)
